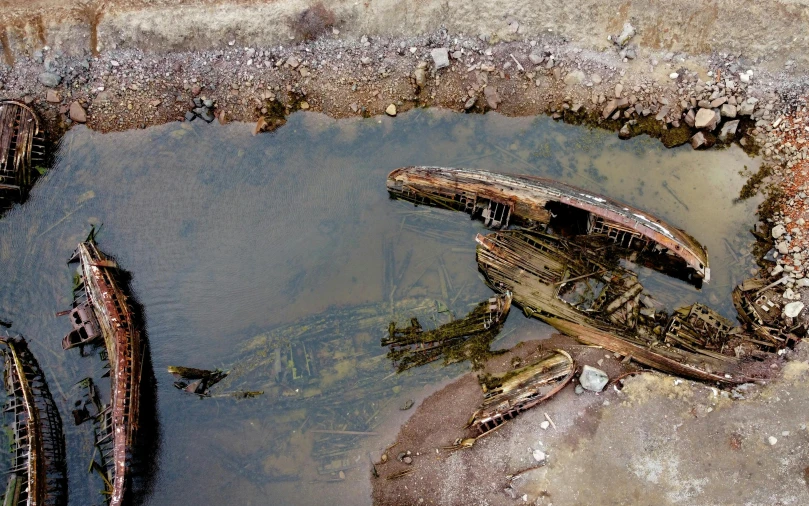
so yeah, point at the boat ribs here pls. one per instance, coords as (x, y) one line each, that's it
(111, 318)
(500, 200)
(38, 475)
(21, 149)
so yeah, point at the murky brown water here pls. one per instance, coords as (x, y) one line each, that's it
(229, 236)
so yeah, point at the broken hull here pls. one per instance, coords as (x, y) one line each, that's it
(501, 199)
(38, 445)
(21, 147)
(541, 271)
(122, 340)
(524, 390)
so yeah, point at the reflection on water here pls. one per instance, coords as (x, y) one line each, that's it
(238, 243)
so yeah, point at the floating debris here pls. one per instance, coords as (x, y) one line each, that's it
(465, 339)
(501, 200)
(38, 474)
(509, 394)
(102, 309)
(571, 287)
(760, 306)
(22, 151)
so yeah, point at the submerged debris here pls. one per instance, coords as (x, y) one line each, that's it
(500, 200)
(22, 151)
(102, 309)
(507, 395)
(38, 474)
(196, 381)
(467, 338)
(569, 286)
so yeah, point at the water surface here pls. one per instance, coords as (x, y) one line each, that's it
(229, 236)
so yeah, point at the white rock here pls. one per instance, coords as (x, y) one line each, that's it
(802, 283)
(440, 57)
(593, 379)
(540, 456)
(772, 440)
(745, 78)
(674, 75)
(778, 231)
(793, 309)
(574, 77)
(627, 33)
(544, 425)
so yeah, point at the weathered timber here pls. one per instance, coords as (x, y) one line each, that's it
(21, 151)
(38, 474)
(580, 293)
(103, 290)
(512, 393)
(196, 381)
(466, 338)
(760, 306)
(500, 200)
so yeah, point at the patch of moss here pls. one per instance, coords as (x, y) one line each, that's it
(752, 185)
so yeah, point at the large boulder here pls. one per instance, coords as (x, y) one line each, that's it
(77, 113)
(440, 57)
(705, 119)
(574, 77)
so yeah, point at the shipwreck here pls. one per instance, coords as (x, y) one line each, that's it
(597, 301)
(38, 473)
(103, 313)
(462, 339)
(502, 200)
(507, 395)
(22, 151)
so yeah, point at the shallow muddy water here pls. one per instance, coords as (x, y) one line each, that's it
(237, 243)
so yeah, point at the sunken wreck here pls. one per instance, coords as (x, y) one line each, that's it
(38, 474)
(22, 150)
(558, 252)
(502, 200)
(103, 312)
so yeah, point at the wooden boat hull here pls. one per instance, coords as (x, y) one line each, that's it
(124, 345)
(38, 472)
(21, 148)
(504, 199)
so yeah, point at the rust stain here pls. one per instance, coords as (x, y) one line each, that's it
(40, 28)
(8, 56)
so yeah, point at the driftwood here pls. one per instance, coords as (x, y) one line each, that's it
(500, 200)
(38, 474)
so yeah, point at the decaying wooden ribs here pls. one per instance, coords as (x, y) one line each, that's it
(466, 338)
(570, 287)
(761, 308)
(500, 200)
(507, 395)
(102, 310)
(21, 151)
(38, 475)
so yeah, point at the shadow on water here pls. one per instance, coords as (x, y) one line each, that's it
(233, 238)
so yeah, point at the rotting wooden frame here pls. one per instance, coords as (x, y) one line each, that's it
(103, 288)
(503, 199)
(22, 146)
(38, 474)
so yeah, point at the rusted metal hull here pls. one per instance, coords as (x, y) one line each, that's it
(21, 149)
(38, 474)
(114, 316)
(566, 285)
(501, 200)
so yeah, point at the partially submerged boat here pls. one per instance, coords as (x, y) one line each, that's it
(22, 150)
(462, 339)
(585, 295)
(102, 311)
(501, 200)
(507, 395)
(38, 474)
